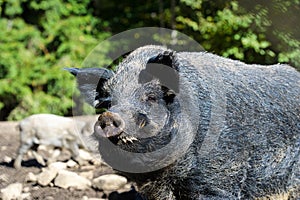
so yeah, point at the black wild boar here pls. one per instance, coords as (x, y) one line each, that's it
(193, 125)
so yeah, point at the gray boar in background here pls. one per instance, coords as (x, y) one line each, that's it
(234, 134)
(49, 129)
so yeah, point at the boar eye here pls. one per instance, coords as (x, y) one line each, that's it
(151, 98)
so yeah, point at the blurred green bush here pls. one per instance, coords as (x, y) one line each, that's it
(262, 32)
(40, 37)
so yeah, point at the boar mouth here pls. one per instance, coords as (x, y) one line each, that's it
(124, 138)
(110, 125)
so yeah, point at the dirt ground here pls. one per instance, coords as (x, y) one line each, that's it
(9, 143)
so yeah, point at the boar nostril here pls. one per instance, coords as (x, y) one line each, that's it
(102, 126)
(116, 124)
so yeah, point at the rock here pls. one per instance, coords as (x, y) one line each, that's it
(54, 156)
(66, 179)
(26, 189)
(7, 159)
(71, 163)
(4, 177)
(3, 148)
(58, 166)
(88, 174)
(55, 153)
(125, 188)
(46, 176)
(46, 148)
(12, 191)
(84, 155)
(34, 188)
(96, 160)
(84, 198)
(30, 154)
(25, 196)
(31, 177)
(39, 158)
(109, 182)
(87, 167)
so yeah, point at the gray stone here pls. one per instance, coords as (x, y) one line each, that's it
(97, 161)
(46, 176)
(66, 179)
(54, 155)
(31, 177)
(12, 191)
(25, 196)
(3, 148)
(88, 174)
(4, 177)
(7, 159)
(26, 189)
(57, 166)
(39, 158)
(49, 198)
(71, 163)
(85, 155)
(87, 167)
(109, 182)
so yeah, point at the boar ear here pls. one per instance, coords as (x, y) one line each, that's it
(165, 58)
(90, 84)
(73, 71)
(169, 94)
(162, 67)
(98, 73)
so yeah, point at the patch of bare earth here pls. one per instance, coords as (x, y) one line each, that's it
(9, 144)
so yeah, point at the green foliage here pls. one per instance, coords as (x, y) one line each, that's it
(244, 30)
(292, 54)
(228, 32)
(38, 39)
(228, 29)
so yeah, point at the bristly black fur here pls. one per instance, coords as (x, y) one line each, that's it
(251, 113)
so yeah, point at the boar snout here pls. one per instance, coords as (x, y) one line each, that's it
(109, 124)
